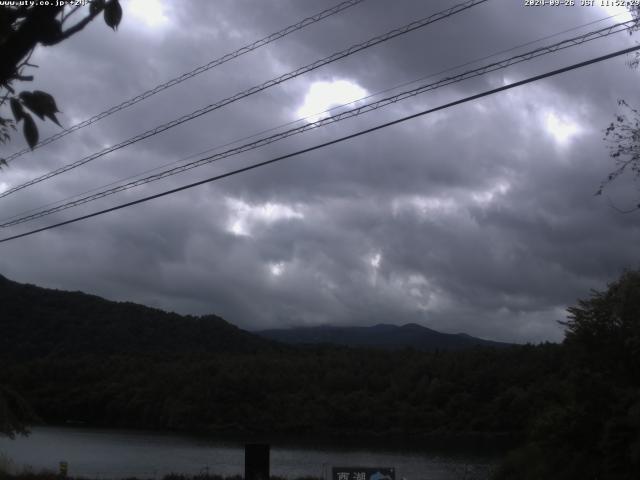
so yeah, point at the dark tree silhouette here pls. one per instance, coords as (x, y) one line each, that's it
(22, 29)
(589, 426)
(607, 326)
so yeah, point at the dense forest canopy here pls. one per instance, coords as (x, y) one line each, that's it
(574, 407)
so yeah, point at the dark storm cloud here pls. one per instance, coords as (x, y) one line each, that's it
(475, 219)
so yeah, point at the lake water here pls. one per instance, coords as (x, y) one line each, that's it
(118, 454)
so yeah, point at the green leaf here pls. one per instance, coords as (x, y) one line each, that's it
(96, 7)
(16, 109)
(30, 131)
(49, 31)
(113, 14)
(32, 103)
(47, 100)
(49, 104)
(42, 104)
(52, 117)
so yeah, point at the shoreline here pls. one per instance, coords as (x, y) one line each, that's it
(477, 442)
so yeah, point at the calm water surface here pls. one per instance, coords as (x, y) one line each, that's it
(121, 453)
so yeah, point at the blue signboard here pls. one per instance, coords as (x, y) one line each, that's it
(363, 473)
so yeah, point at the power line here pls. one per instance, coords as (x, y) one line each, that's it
(196, 71)
(288, 76)
(332, 142)
(293, 122)
(620, 27)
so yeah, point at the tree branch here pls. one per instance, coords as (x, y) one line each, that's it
(80, 25)
(73, 10)
(619, 210)
(20, 42)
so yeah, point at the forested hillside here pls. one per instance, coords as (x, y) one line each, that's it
(325, 390)
(573, 410)
(37, 322)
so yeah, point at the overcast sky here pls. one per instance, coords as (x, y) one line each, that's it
(480, 218)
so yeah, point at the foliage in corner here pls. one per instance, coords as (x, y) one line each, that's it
(623, 135)
(590, 428)
(22, 29)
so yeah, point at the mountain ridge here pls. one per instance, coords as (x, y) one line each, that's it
(38, 322)
(382, 335)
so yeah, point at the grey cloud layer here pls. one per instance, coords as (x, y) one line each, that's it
(474, 219)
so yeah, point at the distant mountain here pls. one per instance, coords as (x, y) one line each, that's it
(38, 322)
(380, 336)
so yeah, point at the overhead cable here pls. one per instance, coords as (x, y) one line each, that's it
(283, 78)
(332, 142)
(620, 27)
(196, 71)
(301, 119)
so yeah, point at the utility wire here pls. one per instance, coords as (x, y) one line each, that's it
(332, 142)
(293, 122)
(620, 27)
(278, 127)
(288, 76)
(197, 71)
